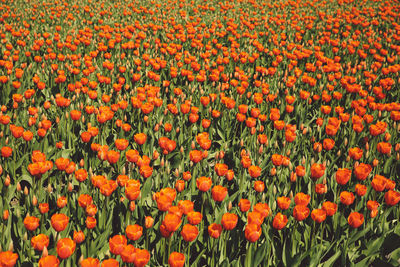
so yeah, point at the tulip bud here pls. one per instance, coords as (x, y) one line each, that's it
(221, 154)
(177, 130)
(70, 187)
(11, 246)
(303, 161)
(397, 156)
(18, 186)
(193, 145)
(274, 191)
(346, 141)
(6, 141)
(7, 181)
(155, 154)
(162, 163)
(25, 236)
(260, 150)
(312, 161)
(293, 177)
(6, 214)
(148, 222)
(181, 149)
(375, 162)
(49, 188)
(272, 171)
(229, 205)
(145, 118)
(132, 206)
(348, 158)
(34, 201)
(396, 148)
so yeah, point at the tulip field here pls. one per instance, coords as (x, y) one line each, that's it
(199, 133)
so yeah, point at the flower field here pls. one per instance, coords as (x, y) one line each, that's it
(199, 133)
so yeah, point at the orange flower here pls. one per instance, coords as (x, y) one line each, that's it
(347, 198)
(49, 261)
(343, 176)
(355, 153)
(317, 171)
(146, 171)
(254, 171)
(360, 189)
(392, 197)
(148, 222)
(186, 206)
(279, 221)
(132, 189)
(189, 232)
(128, 254)
(65, 247)
(219, 192)
(244, 205)
(196, 156)
(75, 115)
(362, 171)
(379, 183)
(176, 259)
(62, 163)
(90, 222)
(142, 257)
(384, 148)
(229, 221)
(302, 199)
(117, 244)
(43, 208)
(140, 138)
(31, 223)
(221, 169)
(214, 230)
(110, 263)
(90, 262)
(254, 217)
(300, 171)
(79, 237)
(355, 219)
(8, 259)
(262, 208)
(121, 144)
(283, 202)
(171, 222)
(40, 241)
(318, 215)
(81, 175)
(194, 217)
(132, 155)
(134, 232)
(84, 200)
(252, 232)
(204, 183)
(300, 212)
(112, 156)
(329, 207)
(259, 186)
(59, 221)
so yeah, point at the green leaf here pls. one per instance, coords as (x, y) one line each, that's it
(260, 254)
(332, 260)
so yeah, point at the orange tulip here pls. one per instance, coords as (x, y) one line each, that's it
(214, 230)
(65, 247)
(300, 212)
(176, 259)
(189, 232)
(31, 223)
(229, 221)
(318, 215)
(117, 244)
(40, 241)
(219, 193)
(279, 221)
(48, 261)
(355, 219)
(252, 232)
